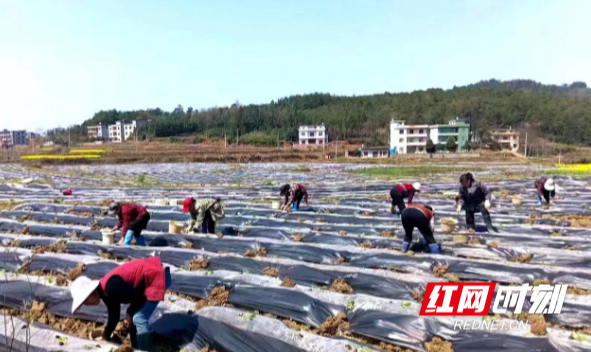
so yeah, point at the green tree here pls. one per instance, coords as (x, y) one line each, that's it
(431, 147)
(560, 112)
(451, 144)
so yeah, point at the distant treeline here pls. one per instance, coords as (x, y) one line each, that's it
(561, 113)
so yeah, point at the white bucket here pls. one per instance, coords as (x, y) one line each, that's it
(275, 205)
(108, 237)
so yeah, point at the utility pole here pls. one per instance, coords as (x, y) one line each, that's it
(525, 148)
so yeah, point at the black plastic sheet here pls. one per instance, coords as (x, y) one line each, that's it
(290, 304)
(199, 331)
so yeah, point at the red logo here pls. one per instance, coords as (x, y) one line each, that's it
(471, 298)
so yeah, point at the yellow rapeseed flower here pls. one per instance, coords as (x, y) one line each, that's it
(60, 157)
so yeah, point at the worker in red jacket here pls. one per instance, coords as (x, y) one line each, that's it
(401, 191)
(140, 283)
(545, 188)
(133, 219)
(421, 217)
(293, 195)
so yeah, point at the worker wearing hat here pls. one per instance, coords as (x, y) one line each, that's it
(204, 213)
(421, 217)
(140, 283)
(133, 219)
(401, 191)
(473, 196)
(545, 188)
(293, 195)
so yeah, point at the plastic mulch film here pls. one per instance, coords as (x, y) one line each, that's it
(272, 327)
(413, 332)
(16, 335)
(285, 303)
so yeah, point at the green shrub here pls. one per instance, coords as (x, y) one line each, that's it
(259, 139)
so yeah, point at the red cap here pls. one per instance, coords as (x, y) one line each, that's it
(187, 204)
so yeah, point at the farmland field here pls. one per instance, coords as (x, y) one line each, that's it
(327, 278)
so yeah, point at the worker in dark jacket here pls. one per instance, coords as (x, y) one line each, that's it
(474, 197)
(140, 283)
(421, 217)
(133, 219)
(293, 195)
(545, 188)
(401, 191)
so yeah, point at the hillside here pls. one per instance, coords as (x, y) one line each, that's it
(561, 113)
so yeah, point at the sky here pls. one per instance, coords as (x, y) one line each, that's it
(61, 61)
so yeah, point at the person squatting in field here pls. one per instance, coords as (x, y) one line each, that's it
(474, 197)
(401, 191)
(546, 189)
(133, 219)
(204, 214)
(421, 217)
(140, 283)
(293, 195)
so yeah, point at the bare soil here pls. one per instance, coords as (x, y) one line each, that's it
(74, 273)
(341, 286)
(538, 323)
(366, 245)
(332, 325)
(578, 291)
(451, 277)
(387, 234)
(218, 296)
(298, 237)
(270, 271)
(439, 270)
(294, 325)
(343, 233)
(418, 295)
(439, 345)
(198, 264)
(493, 244)
(523, 258)
(287, 282)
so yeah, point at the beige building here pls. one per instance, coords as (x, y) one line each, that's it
(508, 138)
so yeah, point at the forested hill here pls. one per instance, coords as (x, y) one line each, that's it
(563, 113)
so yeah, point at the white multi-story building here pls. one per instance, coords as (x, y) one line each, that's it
(407, 138)
(508, 139)
(312, 135)
(12, 138)
(98, 131)
(117, 132)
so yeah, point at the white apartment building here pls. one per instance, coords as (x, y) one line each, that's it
(507, 138)
(117, 132)
(312, 135)
(98, 131)
(408, 138)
